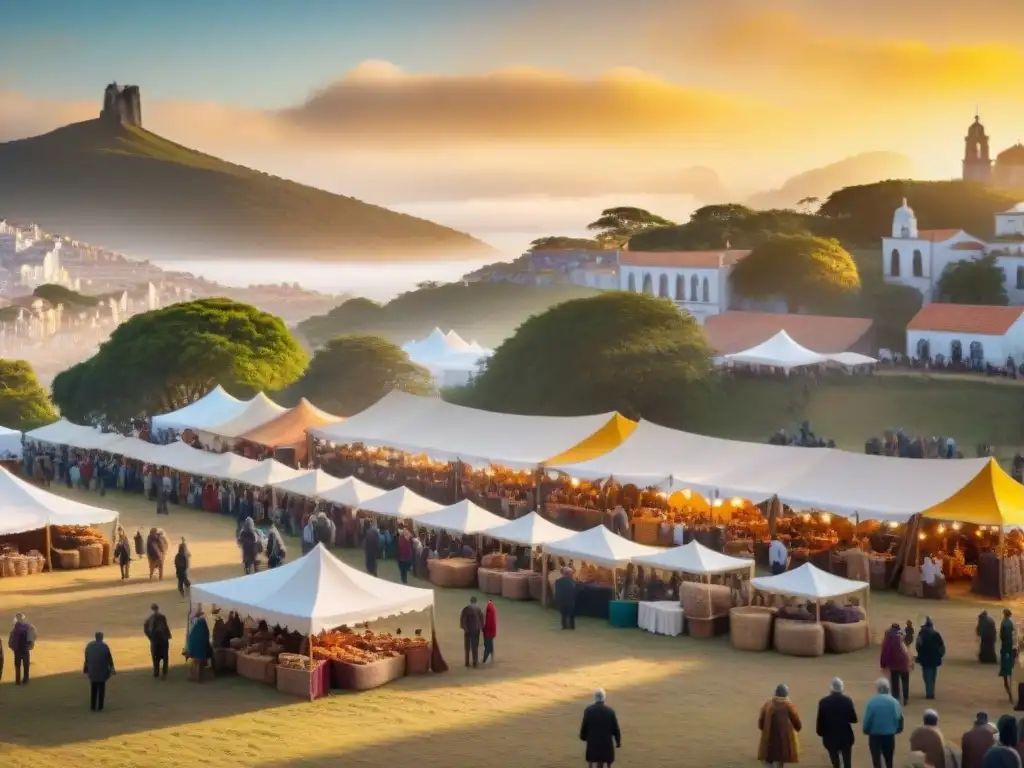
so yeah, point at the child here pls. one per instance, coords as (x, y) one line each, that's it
(908, 634)
(140, 544)
(490, 630)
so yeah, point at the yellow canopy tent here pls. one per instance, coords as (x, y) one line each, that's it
(992, 497)
(603, 440)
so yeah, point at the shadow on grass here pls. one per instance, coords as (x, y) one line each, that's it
(54, 710)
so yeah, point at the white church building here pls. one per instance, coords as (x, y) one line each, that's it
(917, 257)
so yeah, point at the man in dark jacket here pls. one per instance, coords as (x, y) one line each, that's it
(371, 548)
(158, 631)
(600, 728)
(99, 666)
(930, 650)
(472, 622)
(977, 741)
(21, 642)
(565, 598)
(836, 715)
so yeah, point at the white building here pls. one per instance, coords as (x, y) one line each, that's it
(965, 333)
(603, 277)
(697, 281)
(917, 257)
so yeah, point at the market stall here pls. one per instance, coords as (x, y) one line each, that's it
(37, 527)
(463, 519)
(64, 432)
(215, 407)
(257, 412)
(311, 485)
(531, 530)
(814, 621)
(313, 596)
(287, 432)
(703, 608)
(598, 591)
(780, 351)
(400, 503)
(268, 472)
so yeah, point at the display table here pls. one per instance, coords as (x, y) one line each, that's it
(592, 600)
(663, 617)
(623, 613)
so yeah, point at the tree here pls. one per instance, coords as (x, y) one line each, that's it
(715, 227)
(24, 403)
(562, 243)
(58, 294)
(803, 270)
(351, 373)
(617, 225)
(163, 360)
(616, 351)
(974, 281)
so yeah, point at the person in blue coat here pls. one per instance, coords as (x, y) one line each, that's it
(883, 720)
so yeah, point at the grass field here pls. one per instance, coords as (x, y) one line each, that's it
(849, 410)
(673, 695)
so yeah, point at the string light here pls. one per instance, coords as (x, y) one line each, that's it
(687, 494)
(921, 536)
(737, 502)
(717, 503)
(575, 482)
(807, 518)
(826, 518)
(956, 526)
(893, 524)
(942, 529)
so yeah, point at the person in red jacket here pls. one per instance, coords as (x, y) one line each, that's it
(404, 554)
(490, 630)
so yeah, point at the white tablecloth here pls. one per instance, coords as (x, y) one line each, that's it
(664, 617)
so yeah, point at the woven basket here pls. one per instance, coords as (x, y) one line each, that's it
(799, 638)
(417, 659)
(363, 677)
(845, 638)
(489, 580)
(108, 553)
(16, 565)
(454, 572)
(36, 562)
(701, 601)
(90, 555)
(750, 627)
(262, 669)
(515, 586)
(65, 559)
(646, 532)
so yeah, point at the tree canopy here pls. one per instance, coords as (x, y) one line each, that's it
(163, 360)
(563, 243)
(803, 270)
(616, 351)
(973, 281)
(59, 294)
(616, 226)
(351, 373)
(718, 226)
(24, 404)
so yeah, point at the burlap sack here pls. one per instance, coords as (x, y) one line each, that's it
(489, 580)
(750, 627)
(515, 586)
(799, 638)
(845, 638)
(454, 572)
(702, 601)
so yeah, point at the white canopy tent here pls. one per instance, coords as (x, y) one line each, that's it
(353, 492)
(695, 558)
(268, 472)
(257, 412)
(599, 546)
(229, 466)
(427, 425)
(215, 407)
(810, 583)
(312, 485)
(312, 594)
(184, 458)
(463, 517)
(780, 351)
(851, 359)
(10, 442)
(64, 432)
(400, 503)
(450, 359)
(530, 530)
(873, 487)
(133, 448)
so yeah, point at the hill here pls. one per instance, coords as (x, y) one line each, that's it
(127, 189)
(487, 312)
(865, 168)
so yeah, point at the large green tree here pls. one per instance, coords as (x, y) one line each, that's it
(616, 351)
(563, 243)
(616, 226)
(973, 281)
(351, 373)
(718, 226)
(163, 360)
(24, 404)
(803, 270)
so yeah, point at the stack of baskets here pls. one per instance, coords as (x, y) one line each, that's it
(21, 565)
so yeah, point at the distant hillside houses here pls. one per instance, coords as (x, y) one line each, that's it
(29, 258)
(917, 257)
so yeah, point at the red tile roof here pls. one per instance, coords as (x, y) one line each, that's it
(968, 245)
(733, 332)
(690, 259)
(936, 235)
(965, 318)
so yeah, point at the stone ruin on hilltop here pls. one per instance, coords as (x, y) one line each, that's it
(122, 104)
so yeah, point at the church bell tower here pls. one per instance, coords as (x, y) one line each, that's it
(977, 163)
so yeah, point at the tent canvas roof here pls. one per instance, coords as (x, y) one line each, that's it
(184, 458)
(779, 351)
(600, 547)
(258, 412)
(352, 492)
(991, 497)
(312, 485)
(313, 593)
(808, 582)
(531, 530)
(851, 358)
(401, 502)
(695, 558)
(463, 517)
(268, 472)
(64, 432)
(290, 427)
(24, 507)
(449, 432)
(229, 466)
(215, 407)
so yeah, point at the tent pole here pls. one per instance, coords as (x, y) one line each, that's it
(544, 580)
(867, 610)
(312, 668)
(49, 548)
(1002, 554)
(817, 611)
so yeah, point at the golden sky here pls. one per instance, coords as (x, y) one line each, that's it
(552, 104)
